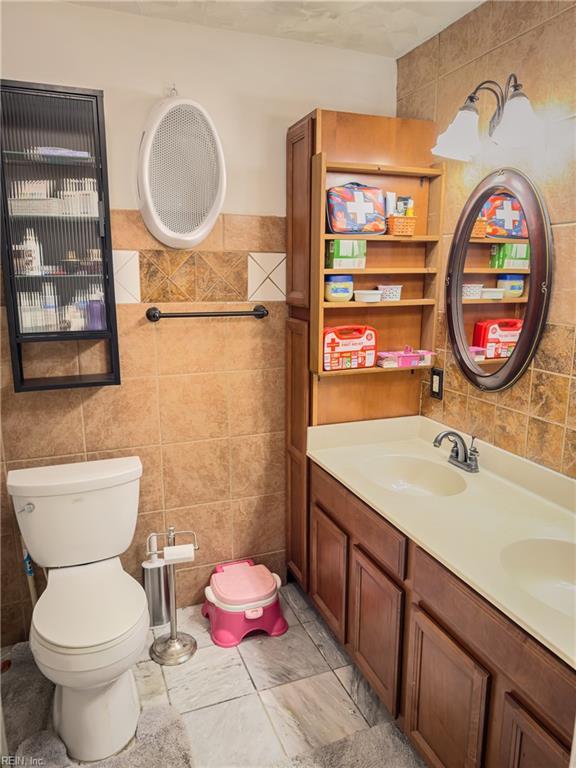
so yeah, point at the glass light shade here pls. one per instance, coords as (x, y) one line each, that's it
(460, 141)
(519, 125)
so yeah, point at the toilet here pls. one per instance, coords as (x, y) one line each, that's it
(90, 625)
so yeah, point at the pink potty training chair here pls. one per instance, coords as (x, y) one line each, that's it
(242, 598)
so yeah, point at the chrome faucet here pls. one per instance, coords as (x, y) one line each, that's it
(460, 455)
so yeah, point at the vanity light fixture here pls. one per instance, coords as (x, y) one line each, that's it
(513, 123)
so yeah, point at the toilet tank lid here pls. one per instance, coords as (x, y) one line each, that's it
(73, 478)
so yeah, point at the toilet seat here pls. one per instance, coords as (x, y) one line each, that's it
(241, 584)
(88, 608)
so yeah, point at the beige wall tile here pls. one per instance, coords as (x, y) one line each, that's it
(549, 396)
(544, 443)
(151, 494)
(254, 233)
(129, 233)
(455, 409)
(481, 419)
(257, 465)
(419, 104)
(517, 396)
(555, 351)
(94, 357)
(511, 430)
(259, 525)
(193, 407)
(509, 18)
(256, 401)
(190, 584)
(213, 525)
(418, 67)
(569, 455)
(571, 417)
(38, 424)
(454, 379)
(196, 473)
(465, 39)
(563, 299)
(430, 406)
(252, 344)
(192, 346)
(121, 417)
(137, 341)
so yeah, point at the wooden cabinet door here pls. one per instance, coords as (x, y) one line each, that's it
(446, 697)
(375, 626)
(328, 570)
(299, 143)
(525, 743)
(297, 398)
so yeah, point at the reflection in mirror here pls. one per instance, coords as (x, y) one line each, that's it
(496, 282)
(501, 250)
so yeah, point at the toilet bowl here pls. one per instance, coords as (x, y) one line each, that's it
(90, 625)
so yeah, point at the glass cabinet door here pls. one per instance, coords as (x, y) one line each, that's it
(55, 227)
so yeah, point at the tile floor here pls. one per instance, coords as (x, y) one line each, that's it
(268, 699)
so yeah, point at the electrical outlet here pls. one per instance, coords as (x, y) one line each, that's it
(437, 383)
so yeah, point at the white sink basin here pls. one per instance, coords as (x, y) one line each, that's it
(546, 569)
(413, 476)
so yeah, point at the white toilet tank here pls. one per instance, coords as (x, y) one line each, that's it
(73, 514)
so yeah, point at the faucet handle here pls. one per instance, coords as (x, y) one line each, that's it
(472, 446)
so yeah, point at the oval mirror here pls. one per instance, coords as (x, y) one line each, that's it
(499, 280)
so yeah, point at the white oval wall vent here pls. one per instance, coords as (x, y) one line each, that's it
(181, 173)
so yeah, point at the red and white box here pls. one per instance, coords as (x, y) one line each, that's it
(349, 346)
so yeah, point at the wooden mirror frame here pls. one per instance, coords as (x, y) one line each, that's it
(512, 182)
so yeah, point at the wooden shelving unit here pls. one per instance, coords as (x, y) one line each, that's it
(413, 261)
(494, 271)
(499, 240)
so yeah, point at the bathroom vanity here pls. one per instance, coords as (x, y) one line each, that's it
(454, 593)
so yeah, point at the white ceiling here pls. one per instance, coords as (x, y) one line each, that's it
(382, 27)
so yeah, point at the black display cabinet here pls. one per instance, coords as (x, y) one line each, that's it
(56, 241)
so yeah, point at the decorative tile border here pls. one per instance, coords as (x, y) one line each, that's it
(126, 265)
(267, 277)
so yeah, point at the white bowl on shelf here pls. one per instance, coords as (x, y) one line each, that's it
(492, 293)
(372, 296)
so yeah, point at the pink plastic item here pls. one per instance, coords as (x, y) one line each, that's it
(242, 598)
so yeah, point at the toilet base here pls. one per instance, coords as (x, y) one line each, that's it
(96, 723)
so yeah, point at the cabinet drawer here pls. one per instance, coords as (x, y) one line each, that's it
(380, 539)
(538, 674)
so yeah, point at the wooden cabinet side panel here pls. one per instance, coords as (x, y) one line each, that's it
(299, 146)
(375, 627)
(297, 409)
(446, 697)
(525, 743)
(329, 570)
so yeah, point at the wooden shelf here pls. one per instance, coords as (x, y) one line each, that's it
(495, 271)
(378, 304)
(520, 300)
(383, 170)
(496, 361)
(384, 238)
(384, 271)
(375, 370)
(499, 240)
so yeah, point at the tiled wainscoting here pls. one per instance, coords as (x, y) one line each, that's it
(201, 402)
(537, 416)
(268, 698)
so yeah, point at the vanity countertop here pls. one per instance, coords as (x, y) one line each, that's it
(509, 531)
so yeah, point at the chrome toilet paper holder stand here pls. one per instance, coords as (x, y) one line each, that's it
(175, 647)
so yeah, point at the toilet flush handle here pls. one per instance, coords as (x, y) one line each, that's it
(29, 507)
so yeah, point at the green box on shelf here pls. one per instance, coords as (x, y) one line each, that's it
(346, 254)
(510, 256)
